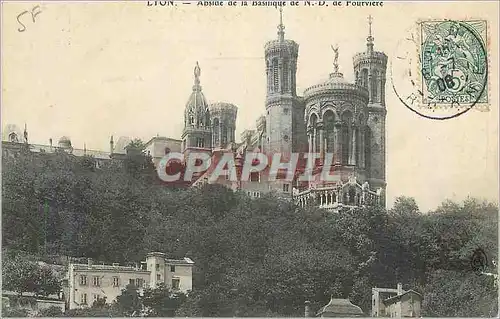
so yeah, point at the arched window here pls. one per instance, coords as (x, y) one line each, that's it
(275, 75)
(207, 118)
(224, 134)
(374, 86)
(285, 76)
(352, 196)
(346, 129)
(255, 177)
(313, 119)
(364, 78)
(368, 148)
(215, 131)
(329, 125)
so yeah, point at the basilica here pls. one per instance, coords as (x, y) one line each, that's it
(333, 116)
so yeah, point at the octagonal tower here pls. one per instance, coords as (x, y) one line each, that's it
(370, 71)
(284, 112)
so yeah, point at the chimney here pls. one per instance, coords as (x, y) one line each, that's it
(400, 289)
(307, 309)
(89, 262)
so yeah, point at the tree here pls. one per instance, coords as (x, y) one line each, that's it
(129, 302)
(46, 283)
(107, 311)
(460, 294)
(161, 301)
(404, 206)
(21, 275)
(50, 312)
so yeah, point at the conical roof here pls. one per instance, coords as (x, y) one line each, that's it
(197, 110)
(340, 308)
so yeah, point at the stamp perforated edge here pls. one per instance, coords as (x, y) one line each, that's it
(480, 106)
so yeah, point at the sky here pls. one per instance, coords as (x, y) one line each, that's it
(92, 70)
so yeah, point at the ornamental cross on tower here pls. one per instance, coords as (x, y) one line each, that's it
(281, 27)
(370, 21)
(370, 36)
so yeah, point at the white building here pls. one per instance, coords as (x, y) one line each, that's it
(89, 282)
(396, 303)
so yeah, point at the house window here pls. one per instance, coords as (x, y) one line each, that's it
(131, 282)
(83, 299)
(286, 188)
(176, 283)
(83, 280)
(255, 177)
(157, 267)
(200, 142)
(115, 282)
(158, 277)
(285, 111)
(139, 283)
(172, 268)
(96, 281)
(95, 297)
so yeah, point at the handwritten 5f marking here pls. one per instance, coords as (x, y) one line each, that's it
(34, 12)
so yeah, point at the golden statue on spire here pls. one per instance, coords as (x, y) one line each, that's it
(197, 73)
(335, 58)
(197, 70)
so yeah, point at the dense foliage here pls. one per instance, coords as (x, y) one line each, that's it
(262, 257)
(22, 275)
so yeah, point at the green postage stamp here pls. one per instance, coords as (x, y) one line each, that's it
(454, 63)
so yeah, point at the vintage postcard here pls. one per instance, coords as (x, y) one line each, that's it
(250, 158)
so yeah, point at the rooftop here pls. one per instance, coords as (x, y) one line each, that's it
(340, 307)
(394, 299)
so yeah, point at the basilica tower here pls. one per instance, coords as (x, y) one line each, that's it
(370, 72)
(284, 110)
(197, 133)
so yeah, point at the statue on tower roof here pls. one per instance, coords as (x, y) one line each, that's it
(197, 72)
(335, 58)
(25, 133)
